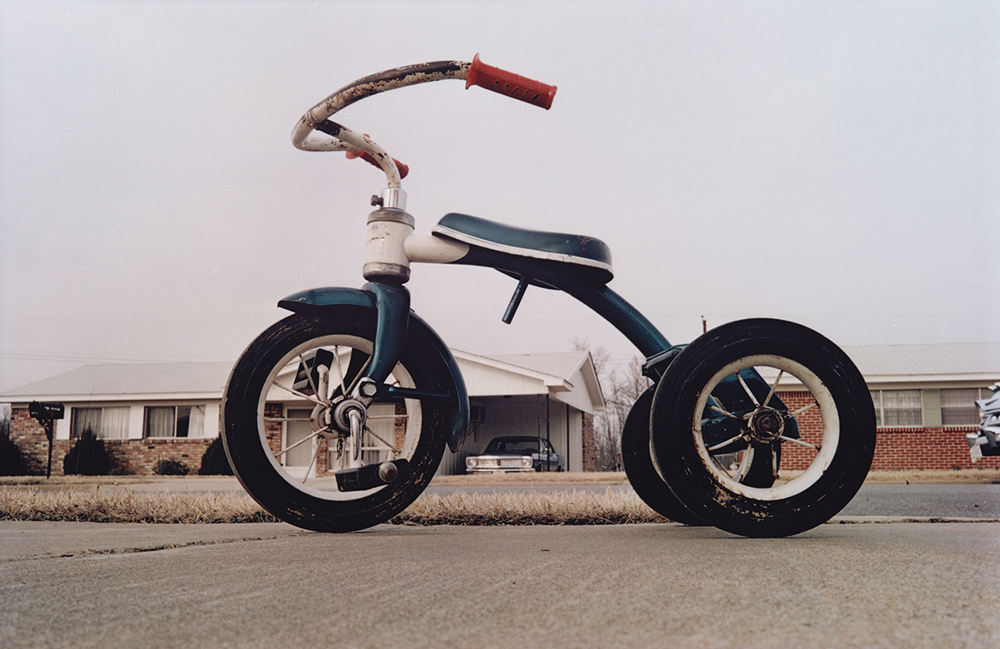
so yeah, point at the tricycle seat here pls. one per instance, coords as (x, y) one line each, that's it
(586, 252)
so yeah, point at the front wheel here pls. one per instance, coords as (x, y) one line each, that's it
(282, 404)
(774, 389)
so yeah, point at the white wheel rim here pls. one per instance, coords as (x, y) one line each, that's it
(277, 384)
(830, 421)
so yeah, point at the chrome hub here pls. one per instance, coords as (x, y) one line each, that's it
(764, 425)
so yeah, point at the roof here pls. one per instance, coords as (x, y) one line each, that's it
(129, 379)
(953, 359)
(564, 365)
(966, 361)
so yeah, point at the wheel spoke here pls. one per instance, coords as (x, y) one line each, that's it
(799, 442)
(723, 412)
(379, 438)
(309, 376)
(299, 443)
(745, 462)
(340, 370)
(356, 369)
(725, 443)
(774, 388)
(299, 394)
(312, 463)
(747, 389)
(803, 409)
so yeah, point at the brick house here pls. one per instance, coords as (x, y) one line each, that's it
(924, 396)
(924, 399)
(149, 412)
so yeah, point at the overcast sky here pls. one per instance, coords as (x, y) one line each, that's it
(833, 163)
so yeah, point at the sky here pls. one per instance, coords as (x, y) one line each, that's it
(831, 163)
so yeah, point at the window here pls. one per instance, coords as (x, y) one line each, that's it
(477, 414)
(175, 421)
(105, 423)
(958, 405)
(898, 408)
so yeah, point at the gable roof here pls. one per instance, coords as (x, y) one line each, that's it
(879, 363)
(927, 360)
(564, 365)
(122, 379)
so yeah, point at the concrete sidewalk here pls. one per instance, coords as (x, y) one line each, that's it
(900, 585)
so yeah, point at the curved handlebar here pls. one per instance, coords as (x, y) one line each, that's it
(341, 138)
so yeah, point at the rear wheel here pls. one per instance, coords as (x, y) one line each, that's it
(307, 451)
(812, 406)
(648, 484)
(639, 469)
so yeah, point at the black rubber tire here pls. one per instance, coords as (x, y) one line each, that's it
(837, 470)
(639, 468)
(646, 481)
(253, 462)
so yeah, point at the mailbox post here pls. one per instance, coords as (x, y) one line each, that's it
(46, 413)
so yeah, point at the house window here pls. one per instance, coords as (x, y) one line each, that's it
(175, 421)
(958, 405)
(105, 423)
(898, 408)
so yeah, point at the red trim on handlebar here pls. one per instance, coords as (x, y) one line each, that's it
(507, 83)
(404, 169)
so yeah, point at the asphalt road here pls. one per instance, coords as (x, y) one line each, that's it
(868, 580)
(912, 585)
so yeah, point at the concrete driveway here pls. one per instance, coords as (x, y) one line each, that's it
(901, 585)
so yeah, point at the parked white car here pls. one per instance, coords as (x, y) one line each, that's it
(514, 455)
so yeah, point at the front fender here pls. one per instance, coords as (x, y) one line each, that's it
(330, 298)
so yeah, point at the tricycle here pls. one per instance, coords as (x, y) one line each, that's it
(366, 396)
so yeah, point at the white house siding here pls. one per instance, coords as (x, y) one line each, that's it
(513, 394)
(137, 414)
(486, 381)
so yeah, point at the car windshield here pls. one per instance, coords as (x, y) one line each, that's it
(526, 446)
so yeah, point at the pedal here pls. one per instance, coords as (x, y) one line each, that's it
(373, 475)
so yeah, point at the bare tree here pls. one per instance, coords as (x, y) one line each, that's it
(621, 385)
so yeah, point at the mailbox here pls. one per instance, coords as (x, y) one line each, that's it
(46, 411)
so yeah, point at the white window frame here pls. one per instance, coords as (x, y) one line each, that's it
(970, 407)
(114, 426)
(881, 409)
(195, 421)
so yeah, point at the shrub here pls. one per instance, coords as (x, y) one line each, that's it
(170, 467)
(214, 461)
(11, 462)
(88, 456)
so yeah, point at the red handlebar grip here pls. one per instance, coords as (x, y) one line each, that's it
(510, 84)
(403, 168)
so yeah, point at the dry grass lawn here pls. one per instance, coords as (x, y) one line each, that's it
(84, 499)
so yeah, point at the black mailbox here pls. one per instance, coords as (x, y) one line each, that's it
(46, 411)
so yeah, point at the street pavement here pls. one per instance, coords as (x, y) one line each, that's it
(863, 581)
